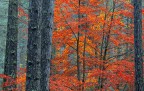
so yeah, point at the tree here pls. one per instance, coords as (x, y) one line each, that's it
(10, 66)
(138, 45)
(46, 42)
(106, 32)
(34, 47)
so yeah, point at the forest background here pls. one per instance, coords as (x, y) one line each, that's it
(92, 48)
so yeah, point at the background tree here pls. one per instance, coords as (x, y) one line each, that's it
(138, 45)
(46, 42)
(10, 66)
(34, 47)
(3, 31)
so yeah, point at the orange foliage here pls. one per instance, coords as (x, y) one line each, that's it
(104, 29)
(97, 20)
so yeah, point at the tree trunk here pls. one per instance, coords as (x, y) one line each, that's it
(106, 42)
(138, 45)
(10, 66)
(84, 63)
(78, 35)
(46, 42)
(34, 47)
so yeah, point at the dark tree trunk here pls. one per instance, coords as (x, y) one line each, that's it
(138, 45)
(46, 42)
(78, 35)
(34, 47)
(77, 48)
(10, 66)
(84, 63)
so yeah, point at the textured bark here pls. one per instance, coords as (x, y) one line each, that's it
(46, 42)
(34, 47)
(10, 68)
(138, 45)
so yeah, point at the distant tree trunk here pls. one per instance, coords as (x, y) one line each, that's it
(106, 42)
(77, 48)
(34, 47)
(138, 45)
(101, 48)
(46, 42)
(84, 63)
(10, 66)
(78, 40)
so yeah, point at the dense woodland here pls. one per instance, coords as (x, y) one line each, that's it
(71, 45)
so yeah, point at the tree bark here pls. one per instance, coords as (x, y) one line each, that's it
(46, 42)
(34, 47)
(138, 45)
(10, 65)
